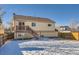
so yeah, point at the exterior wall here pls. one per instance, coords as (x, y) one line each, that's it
(23, 35)
(63, 29)
(48, 33)
(41, 28)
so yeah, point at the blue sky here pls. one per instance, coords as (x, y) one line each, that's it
(61, 14)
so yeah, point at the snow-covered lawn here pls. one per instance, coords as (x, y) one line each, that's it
(51, 47)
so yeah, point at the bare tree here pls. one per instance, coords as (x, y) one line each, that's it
(1, 14)
(73, 24)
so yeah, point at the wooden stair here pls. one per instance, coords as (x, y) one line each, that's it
(31, 31)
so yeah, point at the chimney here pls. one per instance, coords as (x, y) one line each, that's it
(14, 14)
(0, 20)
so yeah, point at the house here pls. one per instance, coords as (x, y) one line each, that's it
(77, 28)
(65, 28)
(1, 27)
(29, 26)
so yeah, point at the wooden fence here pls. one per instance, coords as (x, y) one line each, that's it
(5, 37)
(70, 35)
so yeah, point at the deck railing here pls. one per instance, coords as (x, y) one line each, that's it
(26, 29)
(5, 38)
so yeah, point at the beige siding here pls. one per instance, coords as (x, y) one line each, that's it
(49, 34)
(40, 26)
(45, 34)
(23, 35)
(43, 27)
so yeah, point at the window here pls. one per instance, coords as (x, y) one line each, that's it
(21, 24)
(49, 25)
(33, 24)
(19, 35)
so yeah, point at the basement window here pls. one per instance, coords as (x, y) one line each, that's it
(19, 35)
(33, 24)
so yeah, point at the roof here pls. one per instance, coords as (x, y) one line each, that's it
(64, 26)
(31, 18)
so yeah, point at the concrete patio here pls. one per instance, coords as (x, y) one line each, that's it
(10, 48)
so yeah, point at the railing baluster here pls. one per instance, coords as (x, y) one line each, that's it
(26, 29)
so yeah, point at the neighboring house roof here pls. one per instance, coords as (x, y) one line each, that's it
(78, 27)
(66, 27)
(31, 18)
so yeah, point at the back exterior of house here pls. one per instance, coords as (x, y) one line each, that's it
(28, 27)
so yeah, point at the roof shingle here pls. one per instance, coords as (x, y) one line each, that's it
(31, 18)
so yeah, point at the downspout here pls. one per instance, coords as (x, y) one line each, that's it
(14, 25)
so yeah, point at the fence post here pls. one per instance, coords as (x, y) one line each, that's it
(1, 40)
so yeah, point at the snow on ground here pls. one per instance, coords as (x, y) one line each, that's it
(51, 47)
